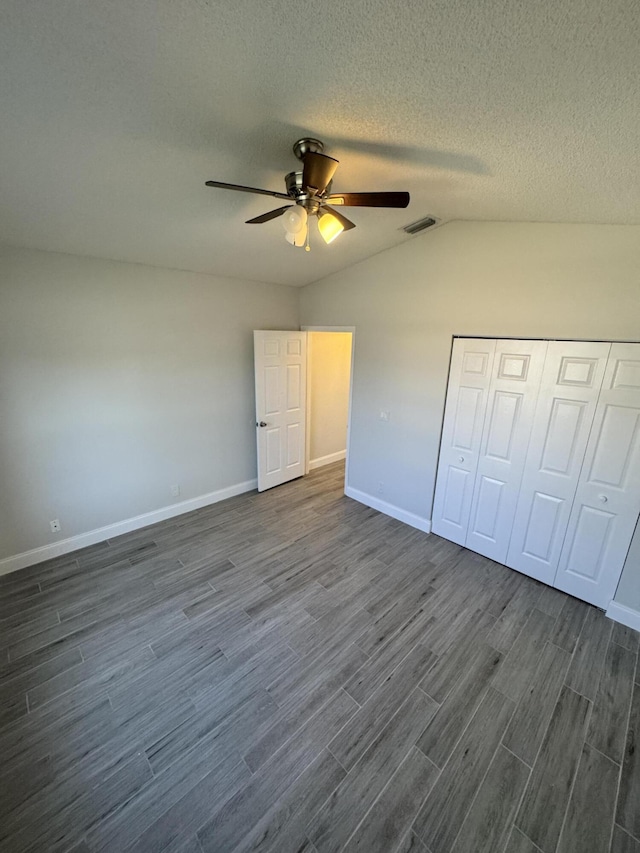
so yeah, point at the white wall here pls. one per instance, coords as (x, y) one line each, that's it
(628, 592)
(118, 381)
(491, 279)
(329, 356)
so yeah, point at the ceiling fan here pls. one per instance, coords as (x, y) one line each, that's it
(309, 190)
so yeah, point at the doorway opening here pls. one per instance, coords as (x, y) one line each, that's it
(330, 353)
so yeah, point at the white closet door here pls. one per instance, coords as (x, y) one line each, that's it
(469, 379)
(571, 381)
(515, 381)
(607, 501)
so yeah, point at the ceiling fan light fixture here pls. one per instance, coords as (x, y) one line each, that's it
(309, 194)
(299, 238)
(295, 219)
(329, 227)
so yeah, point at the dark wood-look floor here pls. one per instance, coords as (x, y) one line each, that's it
(295, 672)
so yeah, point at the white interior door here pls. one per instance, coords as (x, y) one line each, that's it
(515, 382)
(469, 378)
(571, 381)
(280, 376)
(607, 501)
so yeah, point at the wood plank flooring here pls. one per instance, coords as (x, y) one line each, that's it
(293, 672)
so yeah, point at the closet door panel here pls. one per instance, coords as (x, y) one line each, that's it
(571, 380)
(607, 500)
(469, 378)
(515, 381)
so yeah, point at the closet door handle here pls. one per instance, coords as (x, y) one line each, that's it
(261, 424)
(603, 498)
(460, 458)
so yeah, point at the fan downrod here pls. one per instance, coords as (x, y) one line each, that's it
(306, 146)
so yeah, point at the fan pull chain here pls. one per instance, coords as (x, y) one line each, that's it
(307, 247)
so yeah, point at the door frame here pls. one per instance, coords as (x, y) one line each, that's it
(351, 329)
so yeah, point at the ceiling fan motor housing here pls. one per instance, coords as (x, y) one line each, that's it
(307, 146)
(293, 183)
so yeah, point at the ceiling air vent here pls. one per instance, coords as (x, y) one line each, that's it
(420, 225)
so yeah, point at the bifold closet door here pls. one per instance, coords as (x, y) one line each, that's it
(513, 392)
(607, 501)
(567, 400)
(466, 404)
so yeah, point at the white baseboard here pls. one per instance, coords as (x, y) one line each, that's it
(624, 615)
(327, 460)
(409, 518)
(100, 534)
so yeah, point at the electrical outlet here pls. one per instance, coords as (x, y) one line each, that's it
(380, 487)
(55, 526)
(175, 491)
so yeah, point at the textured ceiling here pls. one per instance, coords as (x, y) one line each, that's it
(113, 114)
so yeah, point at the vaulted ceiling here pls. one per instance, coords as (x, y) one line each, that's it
(113, 115)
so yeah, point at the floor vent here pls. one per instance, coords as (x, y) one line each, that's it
(420, 225)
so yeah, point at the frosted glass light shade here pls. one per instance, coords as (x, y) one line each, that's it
(329, 227)
(294, 219)
(297, 239)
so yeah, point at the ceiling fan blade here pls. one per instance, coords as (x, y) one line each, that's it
(369, 199)
(318, 170)
(242, 189)
(347, 224)
(265, 217)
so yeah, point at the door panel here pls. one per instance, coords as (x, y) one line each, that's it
(272, 446)
(457, 485)
(571, 380)
(505, 411)
(607, 500)
(517, 369)
(271, 375)
(280, 376)
(562, 440)
(469, 378)
(585, 548)
(294, 383)
(615, 444)
(469, 412)
(490, 495)
(542, 527)
(293, 445)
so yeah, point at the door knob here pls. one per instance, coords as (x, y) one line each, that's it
(603, 498)
(460, 458)
(261, 424)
